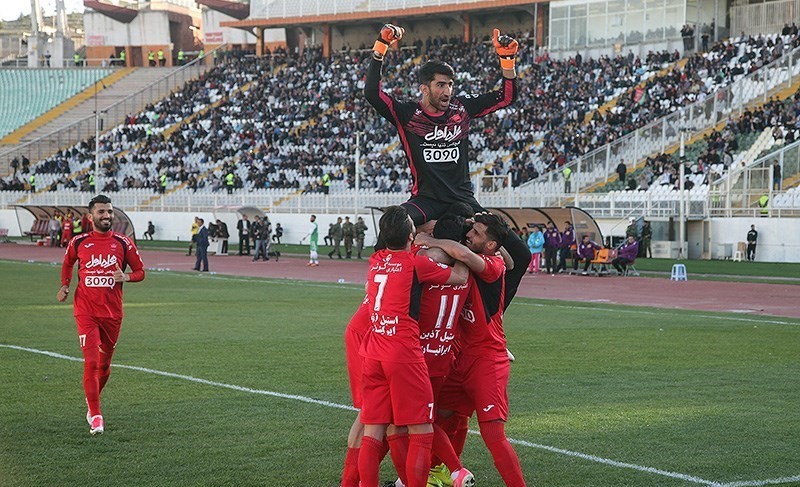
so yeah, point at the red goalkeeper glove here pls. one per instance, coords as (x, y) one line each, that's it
(388, 35)
(506, 48)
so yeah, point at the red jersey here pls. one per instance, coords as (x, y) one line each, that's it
(439, 311)
(98, 255)
(482, 318)
(394, 287)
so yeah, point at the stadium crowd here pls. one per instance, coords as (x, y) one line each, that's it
(289, 121)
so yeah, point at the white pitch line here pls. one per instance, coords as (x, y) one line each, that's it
(760, 483)
(593, 458)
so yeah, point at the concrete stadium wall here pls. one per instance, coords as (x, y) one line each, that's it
(176, 225)
(215, 35)
(778, 238)
(147, 29)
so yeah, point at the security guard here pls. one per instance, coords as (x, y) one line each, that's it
(229, 182)
(32, 181)
(163, 183)
(77, 58)
(326, 183)
(91, 182)
(567, 172)
(122, 58)
(762, 203)
(162, 61)
(151, 59)
(181, 57)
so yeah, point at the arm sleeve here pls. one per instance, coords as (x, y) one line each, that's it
(521, 256)
(478, 106)
(383, 103)
(134, 261)
(494, 268)
(70, 257)
(430, 271)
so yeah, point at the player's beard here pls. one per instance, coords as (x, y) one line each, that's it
(104, 224)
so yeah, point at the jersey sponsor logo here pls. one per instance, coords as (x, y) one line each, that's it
(89, 245)
(98, 281)
(488, 408)
(444, 133)
(100, 261)
(467, 315)
(451, 154)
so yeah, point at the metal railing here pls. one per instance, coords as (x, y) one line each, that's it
(763, 17)
(110, 116)
(657, 136)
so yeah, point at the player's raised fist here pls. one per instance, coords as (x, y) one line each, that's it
(388, 35)
(391, 33)
(506, 47)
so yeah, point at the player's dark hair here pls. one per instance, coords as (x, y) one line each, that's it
(395, 227)
(449, 227)
(496, 228)
(100, 198)
(464, 210)
(429, 70)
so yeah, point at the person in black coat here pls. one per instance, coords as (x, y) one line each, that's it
(202, 247)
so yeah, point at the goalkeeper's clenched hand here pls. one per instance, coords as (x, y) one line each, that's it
(388, 35)
(506, 48)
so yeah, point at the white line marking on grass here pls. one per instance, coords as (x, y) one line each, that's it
(759, 483)
(659, 313)
(552, 449)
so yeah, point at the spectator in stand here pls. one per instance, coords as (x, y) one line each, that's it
(585, 253)
(626, 255)
(552, 242)
(536, 245)
(621, 171)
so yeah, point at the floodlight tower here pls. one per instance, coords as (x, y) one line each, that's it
(36, 41)
(61, 40)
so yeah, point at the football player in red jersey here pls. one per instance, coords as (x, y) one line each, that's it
(103, 257)
(395, 383)
(479, 380)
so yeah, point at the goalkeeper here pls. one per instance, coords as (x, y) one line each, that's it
(434, 132)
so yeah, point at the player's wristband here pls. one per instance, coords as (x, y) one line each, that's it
(380, 48)
(507, 62)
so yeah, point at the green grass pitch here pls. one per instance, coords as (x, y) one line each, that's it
(702, 398)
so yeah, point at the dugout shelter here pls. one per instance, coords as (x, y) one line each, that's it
(519, 218)
(37, 218)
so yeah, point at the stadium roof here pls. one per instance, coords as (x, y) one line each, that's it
(120, 14)
(378, 15)
(233, 9)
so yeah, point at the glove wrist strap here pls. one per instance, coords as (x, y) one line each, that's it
(380, 47)
(507, 62)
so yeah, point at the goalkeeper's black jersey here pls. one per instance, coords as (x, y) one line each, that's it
(437, 146)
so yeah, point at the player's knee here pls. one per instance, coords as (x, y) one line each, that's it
(493, 431)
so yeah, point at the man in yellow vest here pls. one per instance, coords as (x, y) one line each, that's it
(762, 203)
(567, 172)
(91, 183)
(32, 181)
(77, 58)
(326, 183)
(122, 58)
(151, 59)
(195, 229)
(181, 57)
(229, 182)
(162, 61)
(163, 178)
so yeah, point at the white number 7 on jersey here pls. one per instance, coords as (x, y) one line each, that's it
(381, 279)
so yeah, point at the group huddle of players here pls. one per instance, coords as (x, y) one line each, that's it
(426, 348)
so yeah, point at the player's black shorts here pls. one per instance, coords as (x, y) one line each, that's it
(422, 209)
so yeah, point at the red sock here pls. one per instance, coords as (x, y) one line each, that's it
(419, 459)
(369, 460)
(505, 458)
(443, 449)
(104, 369)
(350, 474)
(91, 386)
(460, 430)
(398, 448)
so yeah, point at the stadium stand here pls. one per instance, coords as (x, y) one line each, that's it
(25, 94)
